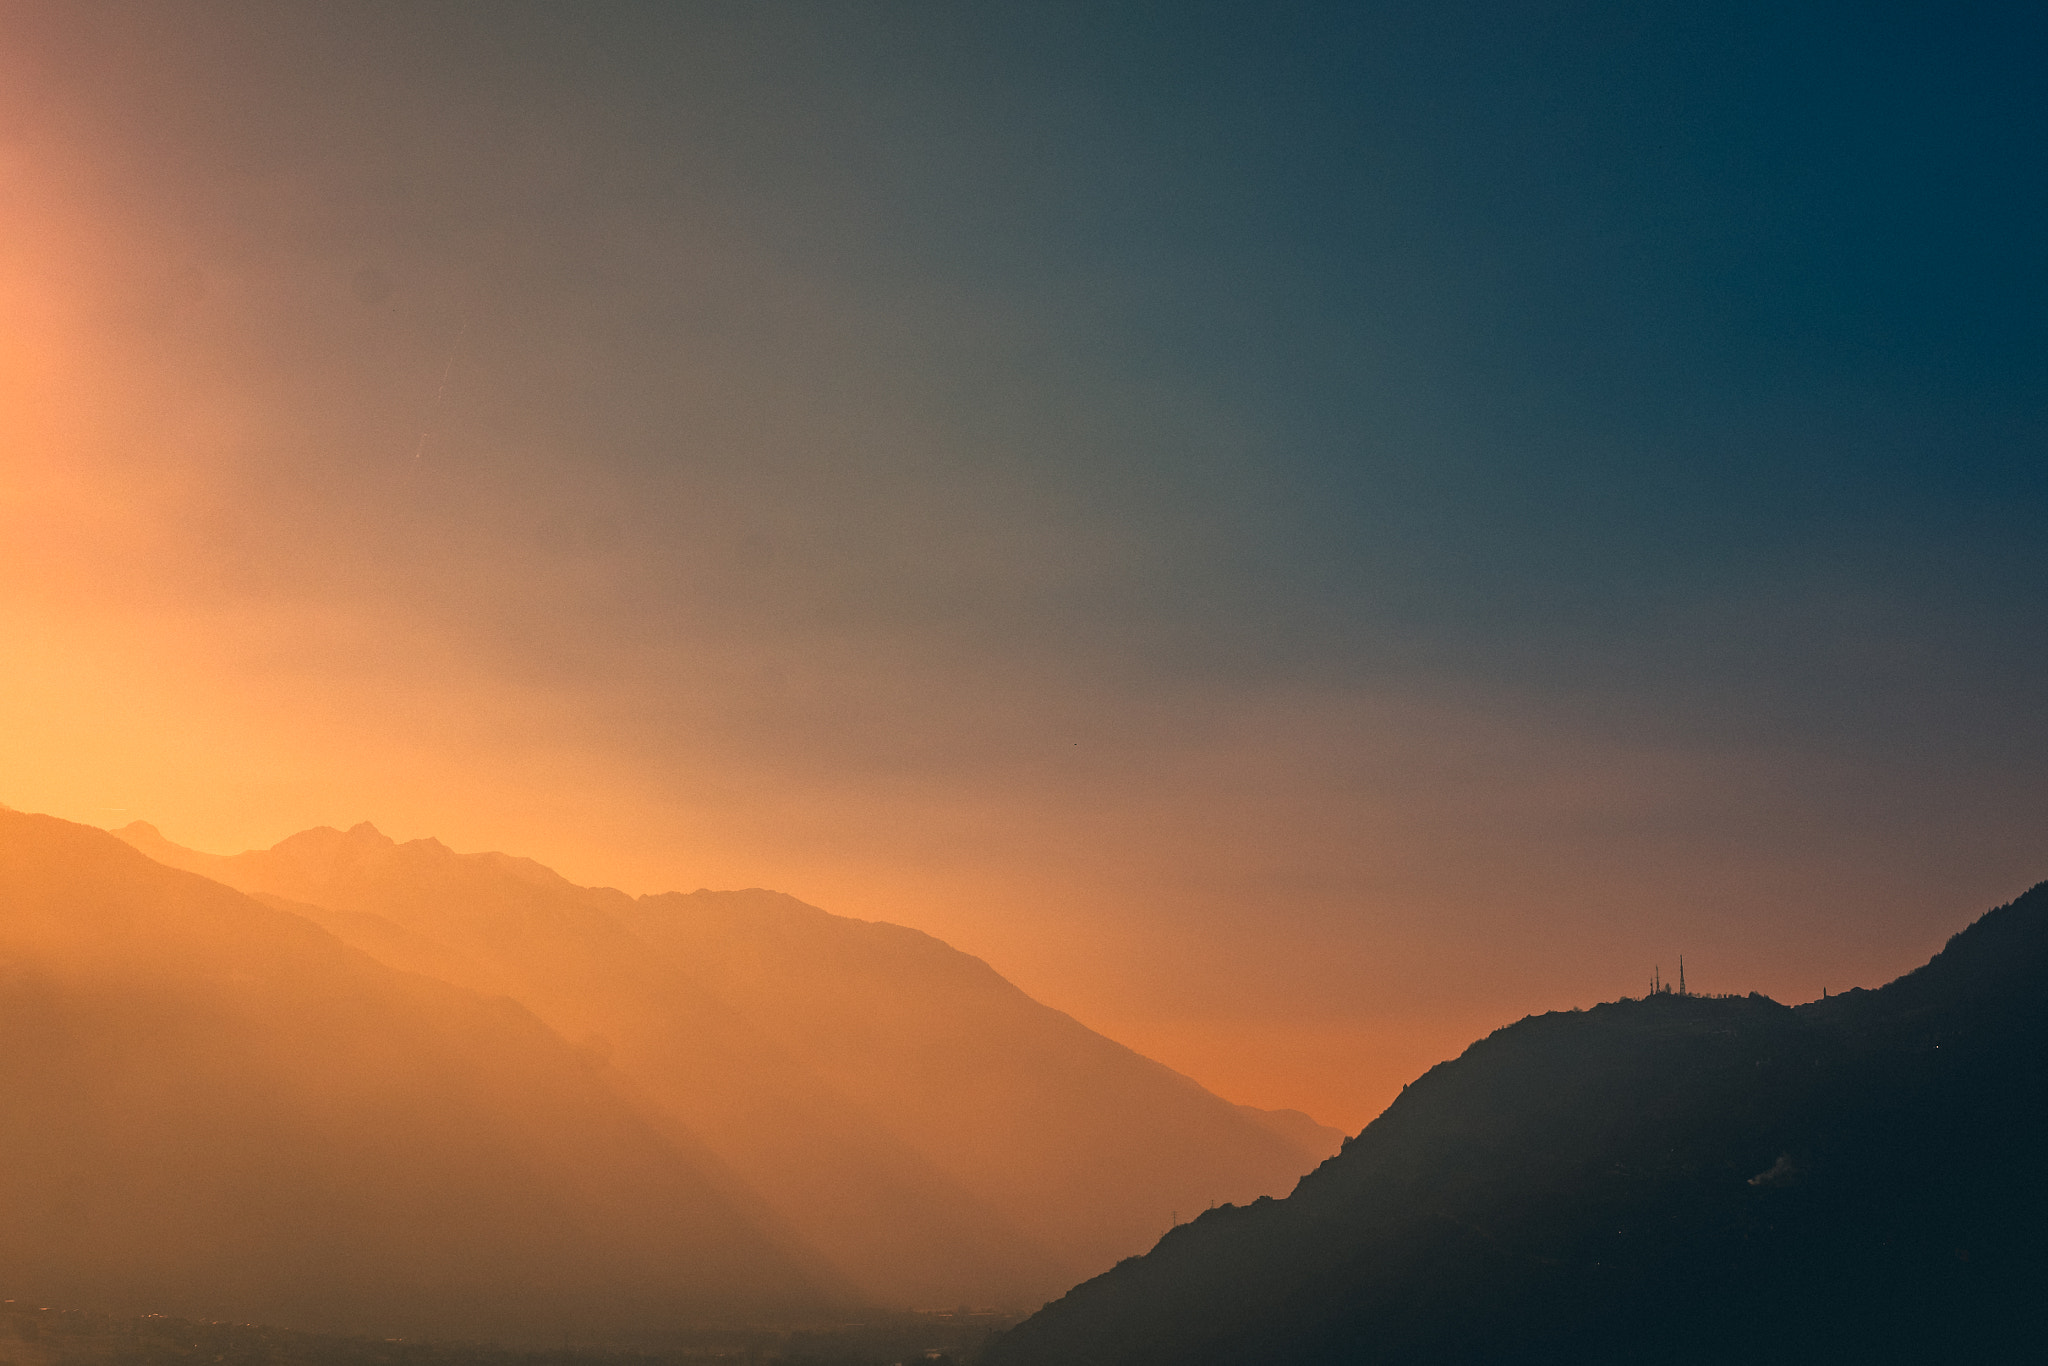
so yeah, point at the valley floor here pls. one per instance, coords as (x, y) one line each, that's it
(45, 1336)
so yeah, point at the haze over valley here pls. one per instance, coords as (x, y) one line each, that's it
(1048, 681)
(801, 1111)
(346, 1085)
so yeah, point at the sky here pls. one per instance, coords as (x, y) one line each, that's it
(1300, 533)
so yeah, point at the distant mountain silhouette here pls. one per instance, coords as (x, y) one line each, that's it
(1297, 1128)
(938, 1135)
(1673, 1179)
(213, 1107)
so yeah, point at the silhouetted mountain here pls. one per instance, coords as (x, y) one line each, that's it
(1667, 1179)
(217, 1108)
(1297, 1128)
(940, 1136)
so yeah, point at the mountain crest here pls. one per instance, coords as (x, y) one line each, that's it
(1854, 1179)
(935, 1133)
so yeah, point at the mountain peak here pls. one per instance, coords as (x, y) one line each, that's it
(340, 1132)
(324, 841)
(749, 1016)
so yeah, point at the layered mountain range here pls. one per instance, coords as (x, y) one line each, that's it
(218, 1109)
(351, 1083)
(1671, 1179)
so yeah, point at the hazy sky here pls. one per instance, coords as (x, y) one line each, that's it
(1300, 533)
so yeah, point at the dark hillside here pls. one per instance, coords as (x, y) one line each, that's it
(1675, 1178)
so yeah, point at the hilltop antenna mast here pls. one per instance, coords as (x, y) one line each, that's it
(1681, 974)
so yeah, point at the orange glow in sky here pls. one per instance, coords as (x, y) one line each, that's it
(417, 440)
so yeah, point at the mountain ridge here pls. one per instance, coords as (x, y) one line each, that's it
(1726, 1178)
(218, 1107)
(992, 1149)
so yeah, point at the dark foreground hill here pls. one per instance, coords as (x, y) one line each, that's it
(1864, 1178)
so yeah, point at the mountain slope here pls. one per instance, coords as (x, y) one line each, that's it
(1083, 1144)
(938, 1134)
(1319, 1140)
(217, 1108)
(1675, 1178)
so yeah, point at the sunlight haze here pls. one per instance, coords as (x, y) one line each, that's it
(1297, 540)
